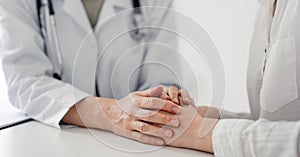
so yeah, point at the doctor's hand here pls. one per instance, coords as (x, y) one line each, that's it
(174, 94)
(143, 115)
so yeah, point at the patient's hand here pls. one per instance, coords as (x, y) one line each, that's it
(174, 94)
(195, 131)
(208, 112)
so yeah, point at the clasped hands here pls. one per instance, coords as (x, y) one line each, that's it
(159, 117)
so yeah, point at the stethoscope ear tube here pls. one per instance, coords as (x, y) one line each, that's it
(50, 7)
(51, 36)
(138, 21)
(137, 6)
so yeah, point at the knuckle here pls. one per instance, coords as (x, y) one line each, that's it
(153, 103)
(130, 117)
(152, 113)
(172, 87)
(156, 103)
(186, 93)
(142, 138)
(124, 125)
(142, 127)
(147, 102)
(135, 100)
(166, 105)
(141, 103)
(166, 119)
(148, 117)
(136, 135)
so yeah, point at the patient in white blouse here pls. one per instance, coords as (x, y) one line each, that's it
(273, 126)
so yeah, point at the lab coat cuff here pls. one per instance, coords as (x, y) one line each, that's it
(77, 96)
(227, 137)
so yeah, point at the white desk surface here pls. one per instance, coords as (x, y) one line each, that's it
(34, 139)
(10, 115)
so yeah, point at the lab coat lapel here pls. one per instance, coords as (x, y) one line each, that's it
(121, 5)
(76, 11)
(84, 62)
(281, 6)
(267, 5)
(109, 10)
(112, 7)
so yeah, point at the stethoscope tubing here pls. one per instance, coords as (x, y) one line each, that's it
(136, 35)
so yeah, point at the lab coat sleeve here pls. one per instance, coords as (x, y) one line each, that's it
(162, 62)
(25, 64)
(233, 137)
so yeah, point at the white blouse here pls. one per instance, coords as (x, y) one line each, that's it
(273, 84)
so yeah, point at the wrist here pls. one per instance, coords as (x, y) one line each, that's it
(109, 112)
(203, 135)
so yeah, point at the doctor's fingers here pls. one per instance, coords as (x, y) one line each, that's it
(165, 96)
(146, 138)
(185, 96)
(159, 118)
(158, 104)
(173, 93)
(131, 131)
(150, 129)
(153, 92)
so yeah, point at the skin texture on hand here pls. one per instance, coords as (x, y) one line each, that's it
(87, 113)
(139, 116)
(197, 133)
(144, 116)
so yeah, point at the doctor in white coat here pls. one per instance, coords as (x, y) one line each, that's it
(273, 126)
(55, 72)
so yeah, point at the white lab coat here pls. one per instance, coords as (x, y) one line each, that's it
(27, 68)
(273, 85)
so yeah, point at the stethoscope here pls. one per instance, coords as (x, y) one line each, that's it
(137, 34)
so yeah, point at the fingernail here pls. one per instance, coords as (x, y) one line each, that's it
(159, 142)
(168, 133)
(175, 100)
(187, 100)
(174, 122)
